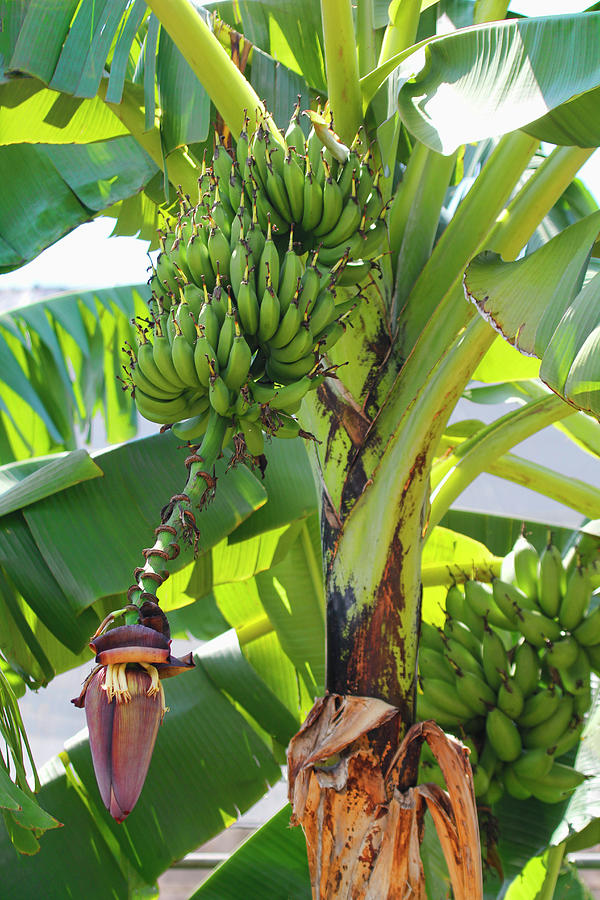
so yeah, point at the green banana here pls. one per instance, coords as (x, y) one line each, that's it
(247, 305)
(237, 369)
(576, 678)
(562, 653)
(526, 562)
(183, 359)
(290, 275)
(193, 428)
(293, 179)
(443, 695)
(299, 346)
(510, 600)
(268, 318)
(185, 320)
(475, 692)
(347, 223)
(436, 665)
(253, 435)
(219, 252)
(276, 190)
(576, 599)
(165, 411)
(226, 336)
(199, 262)
(539, 707)
(526, 668)
(593, 654)
(513, 785)
(148, 387)
(309, 287)
(533, 763)
(455, 603)
(559, 781)
(332, 206)
(503, 735)
(550, 578)
(209, 322)
(219, 395)
(324, 311)
(288, 327)
(510, 698)
(268, 266)
(222, 162)
(287, 427)
(493, 658)
(587, 632)
(242, 147)
(426, 709)
(537, 628)
(570, 738)
(312, 206)
(286, 373)
(203, 352)
(432, 637)
(163, 362)
(294, 136)
(550, 731)
(459, 632)
(194, 298)
(480, 598)
(462, 658)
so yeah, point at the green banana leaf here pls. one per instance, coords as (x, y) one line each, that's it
(538, 304)
(492, 79)
(45, 402)
(173, 815)
(272, 862)
(49, 190)
(32, 113)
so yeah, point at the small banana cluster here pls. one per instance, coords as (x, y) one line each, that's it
(245, 294)
(510, 673)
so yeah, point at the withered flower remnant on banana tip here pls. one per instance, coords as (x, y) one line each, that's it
(124, 706)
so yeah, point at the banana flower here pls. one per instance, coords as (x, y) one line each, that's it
(124, 706)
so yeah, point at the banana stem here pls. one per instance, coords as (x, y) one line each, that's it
(180, 523)
(472, 457)
(554, 862)
(365, 36)
(401, 30)
(231, 93)
(341, 63)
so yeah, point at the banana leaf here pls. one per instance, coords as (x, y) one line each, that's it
(492, 79)
(538, 304)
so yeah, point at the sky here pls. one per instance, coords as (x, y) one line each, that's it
(88, 257)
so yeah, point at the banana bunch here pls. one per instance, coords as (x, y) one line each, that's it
(246, 293)
(509, 672)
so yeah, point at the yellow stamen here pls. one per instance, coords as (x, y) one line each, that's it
(163, 707)
(154, 683)
(111, 685)
(123, 695)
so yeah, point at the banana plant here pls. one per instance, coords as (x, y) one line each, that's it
(114, 107)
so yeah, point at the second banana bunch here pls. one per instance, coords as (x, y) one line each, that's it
(249, 291)
(509, 672)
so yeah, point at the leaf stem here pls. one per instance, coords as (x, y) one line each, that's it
(231, 93)
(365, 36)
(554, 862)
(401, 30)
(472, 457)
(341, 63)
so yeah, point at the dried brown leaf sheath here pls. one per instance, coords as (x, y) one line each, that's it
(363, 827)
